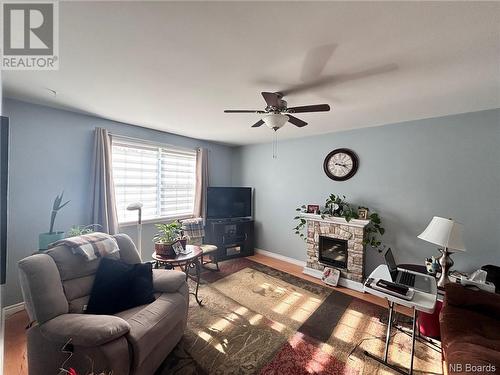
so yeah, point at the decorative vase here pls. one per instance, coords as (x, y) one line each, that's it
(45, 239)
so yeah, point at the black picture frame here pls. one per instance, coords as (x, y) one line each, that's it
(4, 178)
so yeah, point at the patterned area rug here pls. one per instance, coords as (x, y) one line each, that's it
(258, 320)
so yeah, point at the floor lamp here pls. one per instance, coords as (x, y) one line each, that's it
(447, 234)
(137, 206)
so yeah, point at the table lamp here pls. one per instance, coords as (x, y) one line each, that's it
(137, 206)
(447, 234)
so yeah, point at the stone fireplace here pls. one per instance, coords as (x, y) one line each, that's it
(334, 242)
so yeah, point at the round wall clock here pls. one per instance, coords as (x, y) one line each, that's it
(341, 164)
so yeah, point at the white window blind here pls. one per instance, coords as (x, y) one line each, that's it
(161, 177)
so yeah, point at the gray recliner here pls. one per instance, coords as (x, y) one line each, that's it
(56, 285)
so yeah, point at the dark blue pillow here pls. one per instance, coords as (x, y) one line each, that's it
(119, 286)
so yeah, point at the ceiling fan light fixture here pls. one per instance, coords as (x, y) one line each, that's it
(275, 121)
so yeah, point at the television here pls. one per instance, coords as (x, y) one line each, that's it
(229, 202)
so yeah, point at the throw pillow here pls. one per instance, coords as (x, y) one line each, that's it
(119, 286)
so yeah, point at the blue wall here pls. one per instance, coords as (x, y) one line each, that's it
(447, 166)
(51, 150)
(408, 172)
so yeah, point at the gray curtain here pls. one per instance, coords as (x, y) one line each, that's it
(202, 182)
(103, 193)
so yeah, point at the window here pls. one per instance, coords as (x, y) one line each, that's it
(161, 177)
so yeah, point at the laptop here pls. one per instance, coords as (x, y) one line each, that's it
(415, 280)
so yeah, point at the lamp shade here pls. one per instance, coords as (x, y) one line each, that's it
(275, 120)
(444, 232)
(134, 206)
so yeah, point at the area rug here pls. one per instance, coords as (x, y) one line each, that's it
(258, 320)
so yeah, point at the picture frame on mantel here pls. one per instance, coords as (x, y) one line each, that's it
(363, 213)
(313, 209)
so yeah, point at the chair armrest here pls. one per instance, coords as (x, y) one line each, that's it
(477, 300)
(84, 329)
(168, 281)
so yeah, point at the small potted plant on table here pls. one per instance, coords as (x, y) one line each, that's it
(167, 235)
(44, 239)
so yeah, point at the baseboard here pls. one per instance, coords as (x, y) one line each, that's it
(280, 257)
(354, 285)
(12, 309)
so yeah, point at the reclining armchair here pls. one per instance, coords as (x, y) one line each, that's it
(56, 285)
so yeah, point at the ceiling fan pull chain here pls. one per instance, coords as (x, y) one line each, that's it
(275, 145)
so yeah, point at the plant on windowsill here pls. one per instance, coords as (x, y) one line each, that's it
(337, 206)
(167, 235)
(44, 239)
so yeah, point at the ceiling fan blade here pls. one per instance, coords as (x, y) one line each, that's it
(296, 121)
(257, 124)
(271, 98)
(310, 108)
(243, 111)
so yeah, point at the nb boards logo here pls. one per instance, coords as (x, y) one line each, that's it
(30, 35)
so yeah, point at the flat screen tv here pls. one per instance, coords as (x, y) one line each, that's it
(229, 202)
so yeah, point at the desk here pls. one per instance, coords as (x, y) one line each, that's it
(185, 262)
(421, 301)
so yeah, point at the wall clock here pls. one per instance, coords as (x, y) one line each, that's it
(341, 164)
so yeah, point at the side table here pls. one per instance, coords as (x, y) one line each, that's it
(191, 260)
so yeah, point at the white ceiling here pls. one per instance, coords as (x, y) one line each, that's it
(177, 66)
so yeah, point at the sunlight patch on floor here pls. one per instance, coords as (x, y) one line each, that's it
(306, 309)
(349, 324)
(287, 303)
(255, 320)
(317, 363)
(277, 326)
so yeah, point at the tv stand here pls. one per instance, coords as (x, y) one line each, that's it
(230, 220)
(234, 237)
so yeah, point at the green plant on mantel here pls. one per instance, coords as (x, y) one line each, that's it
(337, 206)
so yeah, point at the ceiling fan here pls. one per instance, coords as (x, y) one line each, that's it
(278, 114)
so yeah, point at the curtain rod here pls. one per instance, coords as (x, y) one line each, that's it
(141, 140)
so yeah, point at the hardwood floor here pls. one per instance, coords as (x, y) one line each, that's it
(15, 356)
(15, 339)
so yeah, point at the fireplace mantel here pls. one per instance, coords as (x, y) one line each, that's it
(336, 220)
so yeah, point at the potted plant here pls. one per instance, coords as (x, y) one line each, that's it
(44, 239)
(79, 230)
(167, 235)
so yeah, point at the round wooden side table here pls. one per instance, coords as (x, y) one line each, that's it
(191, 260)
